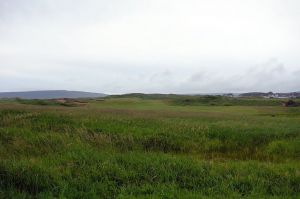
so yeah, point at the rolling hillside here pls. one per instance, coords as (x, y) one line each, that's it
(50, 94)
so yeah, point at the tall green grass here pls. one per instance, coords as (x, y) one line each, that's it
(131, 148)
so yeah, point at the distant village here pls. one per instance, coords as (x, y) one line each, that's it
(283, 95)
(266, 95)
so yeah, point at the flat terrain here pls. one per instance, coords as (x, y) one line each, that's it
(149, 147)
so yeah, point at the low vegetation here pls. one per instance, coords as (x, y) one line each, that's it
(150, 147)
(52, 102)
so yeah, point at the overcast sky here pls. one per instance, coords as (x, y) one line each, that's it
(166, 46)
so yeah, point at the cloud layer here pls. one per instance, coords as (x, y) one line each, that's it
(150, 46)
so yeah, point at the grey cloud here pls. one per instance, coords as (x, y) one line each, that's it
(149, 46)
(197, 77)
(271, 75)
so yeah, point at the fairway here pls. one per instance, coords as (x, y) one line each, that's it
(150, 147)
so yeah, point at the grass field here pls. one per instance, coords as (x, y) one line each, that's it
(150, 147)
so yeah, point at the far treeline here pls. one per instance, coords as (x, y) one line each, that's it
(213, 100)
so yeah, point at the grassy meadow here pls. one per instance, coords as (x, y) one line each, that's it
(145, 146)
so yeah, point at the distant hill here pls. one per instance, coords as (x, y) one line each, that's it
(146, 96)
(253, 94)
(50, 94)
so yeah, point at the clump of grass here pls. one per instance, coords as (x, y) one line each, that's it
(284, 148)
(25, 178)
(161, 142)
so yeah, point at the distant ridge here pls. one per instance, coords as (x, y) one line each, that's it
(50, 94)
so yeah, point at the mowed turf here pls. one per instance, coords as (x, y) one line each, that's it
(150, 148)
